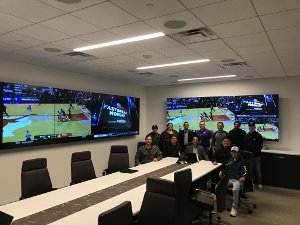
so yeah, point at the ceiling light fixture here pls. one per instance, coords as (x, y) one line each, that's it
(173, 64)
(123, 41)
(206, 78)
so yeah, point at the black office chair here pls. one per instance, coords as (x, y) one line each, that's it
(212, 202)
(118, 159)
(35, 178)
(166, 202)
(119, 215)
(140, 143)
(82, 168)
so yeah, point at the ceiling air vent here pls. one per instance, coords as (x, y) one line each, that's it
(237, 65)
(193, 36)
(79, 56)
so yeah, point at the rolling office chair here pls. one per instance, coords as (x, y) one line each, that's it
(35, 178)
(166, 202)
(82, 168)
(118, 159)
(212, 202)
(121, 214)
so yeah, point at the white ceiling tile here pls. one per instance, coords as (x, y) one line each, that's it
(72, 43)
(51, 46)
(99, 37)
(128, 48)
(225, 11)
(208, 46)
(287, 45)
(102, 62)
(132, 30)
(70, 25)
(147, 55)
(141, 9)
(175, 51)
(186, 57)
(290, 61)
(281, 20)
(191, 22)
(271, 6)
(4, 47)
(253, 49)
(197, 3)
(51, 61)
(122, 59)
(261, 57)
(42, 33)
(69, 7)
(102, 52)
(240, 27)
(105, 15)
(284, 34)
(246, 40)
(31, 10)
(161, 42)
(8, 22)
(3, 31)
(20, 40)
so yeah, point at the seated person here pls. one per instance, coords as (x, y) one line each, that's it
(196, 148)
(222, 155)
(236, 177)
(171, 148)
(148, 152)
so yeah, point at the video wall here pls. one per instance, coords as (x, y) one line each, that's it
(45, 115)
(262, 109)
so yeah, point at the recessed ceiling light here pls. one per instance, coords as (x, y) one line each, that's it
(206, 78)
(150, 5)
(123, 41)
(173, 64)
(175, 24)
(69, 1)
(52, 50)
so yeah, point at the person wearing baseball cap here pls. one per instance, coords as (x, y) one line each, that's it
(253, 142)
(155, 135)
(236, 177)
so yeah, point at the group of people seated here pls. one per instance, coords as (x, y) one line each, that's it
(218, 147)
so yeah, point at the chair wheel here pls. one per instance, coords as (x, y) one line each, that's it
(249, 211)
(254, 206)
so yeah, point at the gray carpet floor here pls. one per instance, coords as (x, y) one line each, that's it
(275, 206)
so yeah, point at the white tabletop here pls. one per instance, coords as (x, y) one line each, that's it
(45, 201)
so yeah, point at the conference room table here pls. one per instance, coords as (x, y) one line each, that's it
(81, 204)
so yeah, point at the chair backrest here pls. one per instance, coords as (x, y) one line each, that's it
(35, 178)
(118, 158)
(140, 143)
(82, 168)
(220, 193)
(5, 219)
(167, 200)
(121, 214)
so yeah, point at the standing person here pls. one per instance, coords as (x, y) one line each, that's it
(253, 142)
(70, 114)
(71, 104)
(218, 136)
(236, 177)
(29, 110)
(185, 136)
(204, 136)
(237, 135)
(165, 136)
(28, 136)
(155, 135)
(196, 148)
(148, 152)
(172, 148)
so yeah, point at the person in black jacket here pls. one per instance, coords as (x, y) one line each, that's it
(171, 149)
(222, 155)
(253, 142)
(237, 135)
(165, 136)
(155, 135)
(185, 136)
(236, 177)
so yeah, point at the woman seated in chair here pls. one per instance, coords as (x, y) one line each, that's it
(148, 152)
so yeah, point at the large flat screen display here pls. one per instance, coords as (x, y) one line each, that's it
(262, 109)
(45, 115)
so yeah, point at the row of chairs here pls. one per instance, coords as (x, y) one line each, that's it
(35, 178)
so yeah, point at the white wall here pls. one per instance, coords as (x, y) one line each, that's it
(287, 88)
(59, 156)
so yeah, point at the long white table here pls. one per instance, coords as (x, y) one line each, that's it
(89, 215)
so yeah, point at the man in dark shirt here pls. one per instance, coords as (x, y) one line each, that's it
(155, 135)
(253, 142)
(237, 135)
(218, 136)
(204, 136)
(185, 136)
(172, 148)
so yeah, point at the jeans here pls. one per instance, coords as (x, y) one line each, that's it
(236, 187)
(257, 164)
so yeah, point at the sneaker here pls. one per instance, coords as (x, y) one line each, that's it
(233, 212)
(260, 187)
